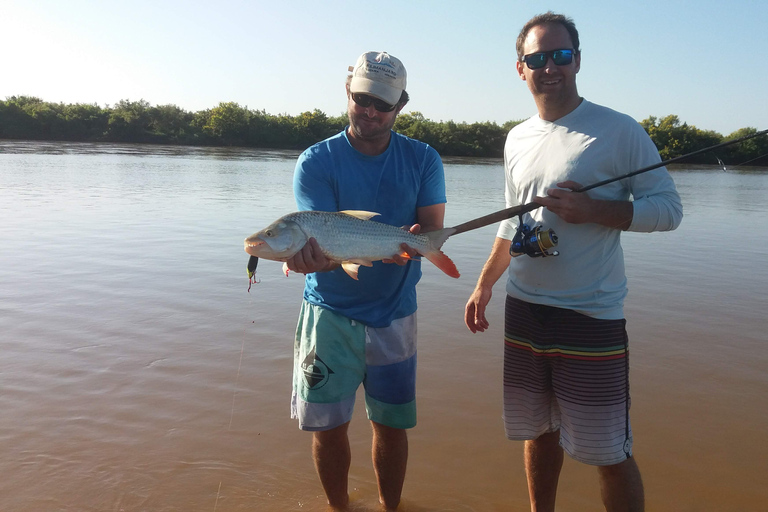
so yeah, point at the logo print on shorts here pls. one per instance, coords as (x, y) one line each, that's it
(316, 372)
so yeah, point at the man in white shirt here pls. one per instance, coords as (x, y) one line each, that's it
(566, 366)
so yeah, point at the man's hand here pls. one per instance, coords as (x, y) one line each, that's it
(310, 259)
(410, 251)
(474, 311)
(572, 207)
(578, 208)
(494, 268)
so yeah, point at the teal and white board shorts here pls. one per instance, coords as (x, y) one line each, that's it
(333, 355)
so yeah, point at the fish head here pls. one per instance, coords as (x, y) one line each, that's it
(278, 241)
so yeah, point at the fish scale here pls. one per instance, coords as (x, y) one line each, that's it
(343, 237)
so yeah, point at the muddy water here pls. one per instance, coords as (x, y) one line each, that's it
(137, 373)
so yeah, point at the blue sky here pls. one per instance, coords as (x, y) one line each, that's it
(697, 59)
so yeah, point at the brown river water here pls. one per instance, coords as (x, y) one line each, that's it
(138, 374)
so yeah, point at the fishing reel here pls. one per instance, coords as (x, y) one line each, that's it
(534, 242)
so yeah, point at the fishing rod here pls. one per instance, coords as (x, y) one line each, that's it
(515, 211)
(671, 160)
(742, 164)
(536, 241)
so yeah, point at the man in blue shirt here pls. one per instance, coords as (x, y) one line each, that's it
(363, 331)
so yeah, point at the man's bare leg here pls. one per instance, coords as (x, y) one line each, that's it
(332, 455)
(621, 487)
(543, 462)
(390, 458)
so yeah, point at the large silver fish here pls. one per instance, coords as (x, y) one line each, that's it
(347, 237)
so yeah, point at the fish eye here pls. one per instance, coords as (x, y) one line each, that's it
(269, 233)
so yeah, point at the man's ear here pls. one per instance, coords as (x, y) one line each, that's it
(519, 66)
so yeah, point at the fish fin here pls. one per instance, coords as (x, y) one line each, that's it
(436, 239)
(359, 261)
(443, 262)
(350, 268)
(407, 256)
(360, 214)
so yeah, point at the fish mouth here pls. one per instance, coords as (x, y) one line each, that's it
(252, 245)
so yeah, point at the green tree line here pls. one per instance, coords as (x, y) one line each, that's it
(229, 124)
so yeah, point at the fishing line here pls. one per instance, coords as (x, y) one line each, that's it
(721, 164)
(514, 211)
(237, 379)
(217, 497)
(232, 413)
(749, 161)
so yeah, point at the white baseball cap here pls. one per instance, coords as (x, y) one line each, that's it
(378, 74)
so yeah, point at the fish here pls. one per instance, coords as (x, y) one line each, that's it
(348, 237)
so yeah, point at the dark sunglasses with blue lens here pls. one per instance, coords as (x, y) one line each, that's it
(365, 101)
(539, 60)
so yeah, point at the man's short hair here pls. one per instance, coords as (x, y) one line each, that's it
(543, 19)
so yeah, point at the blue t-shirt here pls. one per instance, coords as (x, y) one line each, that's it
(333, 176)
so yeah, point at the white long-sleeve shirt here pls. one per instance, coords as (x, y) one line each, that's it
(590, 144)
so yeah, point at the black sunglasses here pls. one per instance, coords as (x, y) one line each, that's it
(539, 60)
(365, 101)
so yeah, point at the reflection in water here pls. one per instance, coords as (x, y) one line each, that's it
(145, 150)
(139, 374)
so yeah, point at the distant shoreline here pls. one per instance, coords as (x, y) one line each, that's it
(238, 152)
(230, 125)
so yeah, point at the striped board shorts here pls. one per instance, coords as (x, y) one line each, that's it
(569, 372)
(334, 354)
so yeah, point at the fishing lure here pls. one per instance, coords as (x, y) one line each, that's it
(253, 261)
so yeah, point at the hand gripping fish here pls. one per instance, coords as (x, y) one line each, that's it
(346, 237)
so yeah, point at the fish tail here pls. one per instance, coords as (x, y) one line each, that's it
(443, 262)
(438, 237)
(436, 256)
